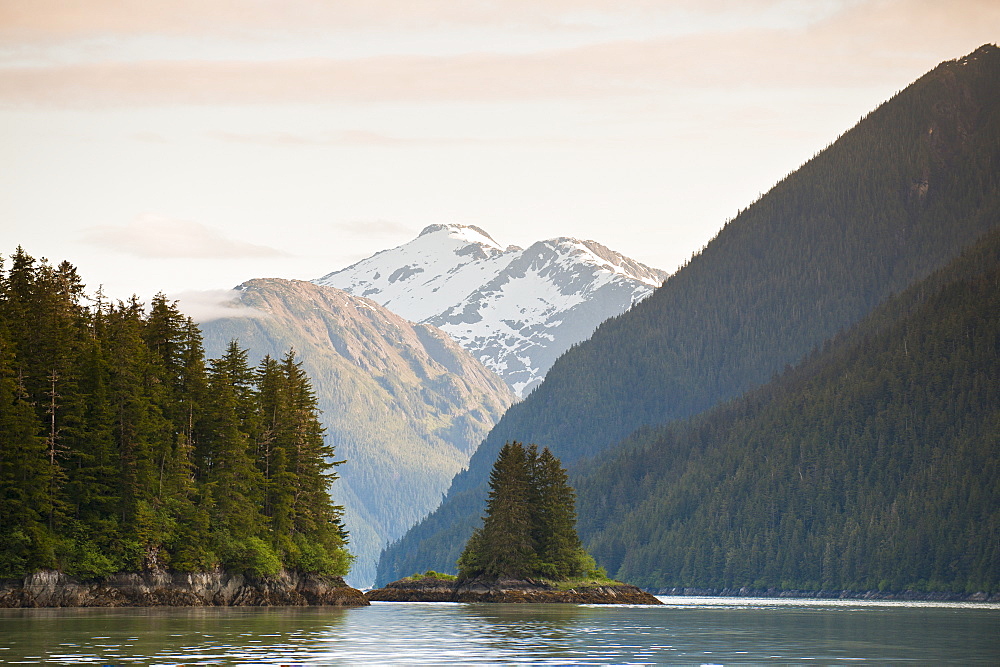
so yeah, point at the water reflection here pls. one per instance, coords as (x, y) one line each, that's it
(199, 635)
(542, 631)
(683, 631)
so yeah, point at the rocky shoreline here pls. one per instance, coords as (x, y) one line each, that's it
(430, 589)
(908, 596)
(51, 588)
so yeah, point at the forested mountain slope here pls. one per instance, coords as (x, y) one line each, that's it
(873, 465)
(890, 201)
(402, 402)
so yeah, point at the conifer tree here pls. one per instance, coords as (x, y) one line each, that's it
(297, 465)
(233, 476)
(120, 452)
(503, 546)
(133, 411)
(25, 540)
(270, 450)
(529, 529)
(307, 451)
(560, 553)
(165, 332)
(41, 313)
(93, 468)
(235, 366)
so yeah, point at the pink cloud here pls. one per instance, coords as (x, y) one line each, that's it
(55, 19)
(869, 42)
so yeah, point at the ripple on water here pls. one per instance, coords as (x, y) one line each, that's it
(687, 630)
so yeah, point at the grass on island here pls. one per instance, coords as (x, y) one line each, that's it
(597, 577)
(431, 574)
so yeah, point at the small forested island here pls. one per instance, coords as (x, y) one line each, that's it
(135, 472)
(527, 549)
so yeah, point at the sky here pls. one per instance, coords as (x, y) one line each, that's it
(190, 145)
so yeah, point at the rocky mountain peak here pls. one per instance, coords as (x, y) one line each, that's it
(471, 233)
(514, 309)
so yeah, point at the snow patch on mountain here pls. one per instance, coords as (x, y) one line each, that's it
(515, 309)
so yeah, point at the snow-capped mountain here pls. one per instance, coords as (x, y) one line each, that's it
(515, 309)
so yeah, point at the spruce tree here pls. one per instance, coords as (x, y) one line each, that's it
(120, 452)
(93, 466)
(303, 471)
(503, 547)
(529, 529)
(25, 541)
(553, 501)
(270, 446)
(234, 478)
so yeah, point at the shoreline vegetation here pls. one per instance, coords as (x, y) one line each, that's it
(434, 586)
(54, 589)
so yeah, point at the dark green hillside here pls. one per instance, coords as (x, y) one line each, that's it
(893, 199)
(874, 465)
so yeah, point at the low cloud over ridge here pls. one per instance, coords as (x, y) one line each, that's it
(207, 305)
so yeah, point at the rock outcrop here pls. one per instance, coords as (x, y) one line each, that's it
(50, 588)
(430, 589)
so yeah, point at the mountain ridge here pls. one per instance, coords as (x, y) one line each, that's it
(894, 198)
(516, 309)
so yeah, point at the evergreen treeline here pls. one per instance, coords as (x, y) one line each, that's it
(122, 449)
(529, 529)
(873, 465)
(893, 199)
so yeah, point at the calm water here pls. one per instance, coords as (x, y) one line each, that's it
(687, 631)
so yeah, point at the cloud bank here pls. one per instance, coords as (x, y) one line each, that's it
(207, 305)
